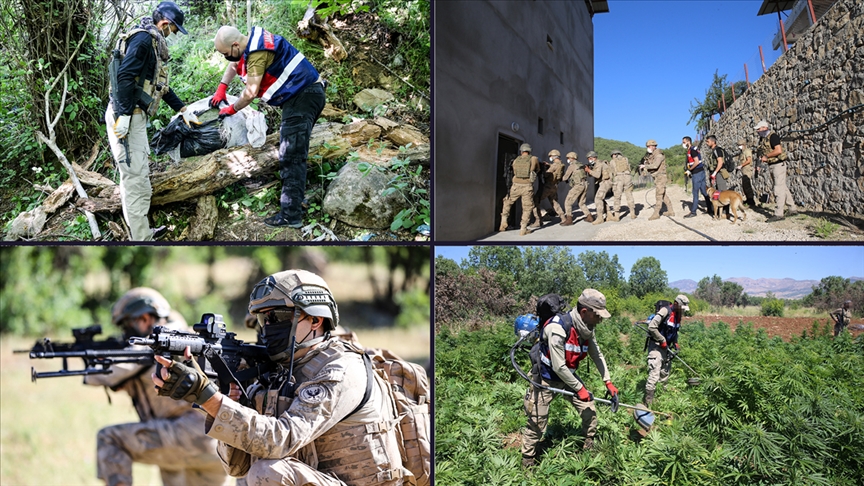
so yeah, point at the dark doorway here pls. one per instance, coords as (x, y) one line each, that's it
(508, 149)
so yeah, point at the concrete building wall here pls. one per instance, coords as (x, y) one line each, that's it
(818, 84)
(499, 64)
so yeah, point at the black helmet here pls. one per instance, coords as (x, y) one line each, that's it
(172, 12)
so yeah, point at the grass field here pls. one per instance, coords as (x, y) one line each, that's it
(48, 428)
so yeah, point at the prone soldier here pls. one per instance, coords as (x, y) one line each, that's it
(525, 169)
(621, 183)
(575, 177)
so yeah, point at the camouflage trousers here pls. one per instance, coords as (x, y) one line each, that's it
(600, 196)
(185, 456)
(548, 193)
(659, 365)
(623, 184)
(782, 196)
(537, 403)
(576, 193)
(519, 191)
(661, 197)
(287, 471)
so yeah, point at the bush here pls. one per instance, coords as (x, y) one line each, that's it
(460, 296)
(772, 307)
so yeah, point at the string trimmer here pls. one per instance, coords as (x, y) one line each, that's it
(692, 381)
(643, 415)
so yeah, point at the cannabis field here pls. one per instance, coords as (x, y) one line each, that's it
(767, 411)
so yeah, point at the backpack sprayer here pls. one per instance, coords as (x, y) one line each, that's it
(693, 380)
(526, 327)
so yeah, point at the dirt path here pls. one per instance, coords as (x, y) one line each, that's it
(701, 228)
(785, 327)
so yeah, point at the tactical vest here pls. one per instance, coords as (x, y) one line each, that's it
(289, 73)
(522, 167)
(668, 327)
(574, 349)
(621, 164)
(577, 175)
(556, 171)
(649, 160)
(357, 453)
(766, 148)
(158, 87)
(605, 171)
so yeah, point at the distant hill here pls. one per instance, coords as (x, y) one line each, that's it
(786, 288)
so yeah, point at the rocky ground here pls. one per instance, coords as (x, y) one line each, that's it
(800, 227)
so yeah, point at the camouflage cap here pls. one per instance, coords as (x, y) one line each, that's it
(651, 142)
(137, 302)
(295, 288)
(683, 302)
(572, 155)
(554, 153)
(762, 124)
(525, 148)
(596, 301)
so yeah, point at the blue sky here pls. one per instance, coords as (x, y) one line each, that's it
(652, 58)
(695, 262)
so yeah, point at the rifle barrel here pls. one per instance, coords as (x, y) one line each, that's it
(93, 353)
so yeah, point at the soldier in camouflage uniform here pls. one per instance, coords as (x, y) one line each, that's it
(575, 177)
(323, 417)
(525, 169)
(841, 317)
(602, 172)
(772, 153)
(663, 335)
(748, 175)
(621, 183)
(170, 434)
(655, 163)
(549, 190)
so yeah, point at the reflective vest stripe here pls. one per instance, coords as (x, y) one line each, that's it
(283, 77)
(257, 32)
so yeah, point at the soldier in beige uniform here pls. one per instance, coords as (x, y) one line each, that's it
(748, 175)
(549, 191)
(575, 177)
(621, 183)
(655, 164)
(841, 317)
(170, 434)
(560, 353)
(772, 153)
(525, 169)
(323, 417)
(601, 171)
(663, 334)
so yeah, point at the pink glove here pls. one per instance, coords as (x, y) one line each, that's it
(219, 97)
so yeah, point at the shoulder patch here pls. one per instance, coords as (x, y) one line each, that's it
(313, 394)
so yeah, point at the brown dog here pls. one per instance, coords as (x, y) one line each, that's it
(727, 198)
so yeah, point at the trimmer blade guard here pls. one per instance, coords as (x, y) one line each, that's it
(644, 418)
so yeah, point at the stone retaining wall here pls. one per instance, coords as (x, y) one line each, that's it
(820, 77)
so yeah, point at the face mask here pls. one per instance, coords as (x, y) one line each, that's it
(551, 159)
(166, 31)
(684, 145)
(277, 339)
(229, 57)
(740, 147)
(650, 150)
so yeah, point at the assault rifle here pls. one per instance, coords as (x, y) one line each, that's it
(221, 349)
(98, 356)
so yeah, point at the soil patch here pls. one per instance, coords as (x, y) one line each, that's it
(785, 327)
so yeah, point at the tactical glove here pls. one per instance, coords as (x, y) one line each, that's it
(121, 126)
(582, 394)
(186, 382)
(227, 111)
(219, 97)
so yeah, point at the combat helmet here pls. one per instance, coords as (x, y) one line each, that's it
(616, 151)
(554, 153)
(137, 302)
(296, 288)
(651, 142)
(572, 155)
(591, 154)
(525, 148)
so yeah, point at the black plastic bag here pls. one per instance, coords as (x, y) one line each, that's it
(195, 140)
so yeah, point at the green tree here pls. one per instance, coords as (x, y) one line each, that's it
(832, 291)
(647, 276)
(446, 267)
(601, 270)
(702, 111)
(550, 269)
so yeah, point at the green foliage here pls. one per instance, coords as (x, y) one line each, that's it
(825, 229)
(703, 111)
(772, 306)
(413, 308)
(768, 412)
(601, 270)
(833, 291)
(646, 276)
(718, 292)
